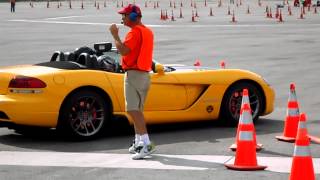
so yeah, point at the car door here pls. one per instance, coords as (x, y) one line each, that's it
(165, 93)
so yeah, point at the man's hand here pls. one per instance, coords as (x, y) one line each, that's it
(114, 30)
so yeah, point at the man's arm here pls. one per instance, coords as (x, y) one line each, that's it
(122, 48)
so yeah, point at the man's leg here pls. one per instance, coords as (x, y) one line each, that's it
(139, 123)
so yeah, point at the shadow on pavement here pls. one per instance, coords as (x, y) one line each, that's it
(120, 136)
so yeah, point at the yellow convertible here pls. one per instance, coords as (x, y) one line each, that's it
(80, 92)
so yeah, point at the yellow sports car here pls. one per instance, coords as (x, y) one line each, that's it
(80, 92)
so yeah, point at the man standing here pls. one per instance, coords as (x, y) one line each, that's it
(13, 4)
(136, 52)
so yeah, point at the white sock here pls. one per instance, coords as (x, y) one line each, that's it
(145, 139)
(136, 139)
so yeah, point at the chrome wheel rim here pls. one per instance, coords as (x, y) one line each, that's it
(86, 116)
(235, 104)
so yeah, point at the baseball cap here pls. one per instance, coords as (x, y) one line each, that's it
(129, 9)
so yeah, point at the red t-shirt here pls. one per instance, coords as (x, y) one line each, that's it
(140, 42)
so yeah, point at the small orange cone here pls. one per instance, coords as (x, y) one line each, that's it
(172, 16)
(211, 12)
(197, 63)
(270, 13)
(222, 64)
(180, 16)
(233, 19)
(292, 117)
(245, 119)
(193, 19)
(246, 158)
(301, 14)
(289, 10)
(196, 13)
(280, 17)
(302, 165)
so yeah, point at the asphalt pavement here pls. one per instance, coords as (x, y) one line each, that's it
(282, 52)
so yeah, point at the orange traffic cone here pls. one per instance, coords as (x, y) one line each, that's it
(193, 19)
(301, 14)
(222, 64)
(246, 158)
(245, 120)
(197, 63)
(292, 117)
(302, 166)
(233, 19)
(180, 16)
(289, 10)
(280, 17)
(172, 16)
(211, 12)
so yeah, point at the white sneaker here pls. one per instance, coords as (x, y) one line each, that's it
(143, 150)
(132, 148)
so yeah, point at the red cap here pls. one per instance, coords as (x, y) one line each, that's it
(130, 8)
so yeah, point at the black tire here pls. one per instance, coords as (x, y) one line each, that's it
(84, 115)
(231, 103)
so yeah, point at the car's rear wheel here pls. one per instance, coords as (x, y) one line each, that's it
(84, 115)
(231, 103)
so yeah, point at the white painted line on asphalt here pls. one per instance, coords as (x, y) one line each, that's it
(63, 17)
(159, 26)
(157, 161)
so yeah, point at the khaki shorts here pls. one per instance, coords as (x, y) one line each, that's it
(136, 86)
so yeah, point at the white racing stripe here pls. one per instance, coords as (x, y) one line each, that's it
(63, 17)
(157, 161)
(156, 25)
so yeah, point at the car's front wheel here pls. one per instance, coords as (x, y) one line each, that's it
(84, 115)
(231, 103)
